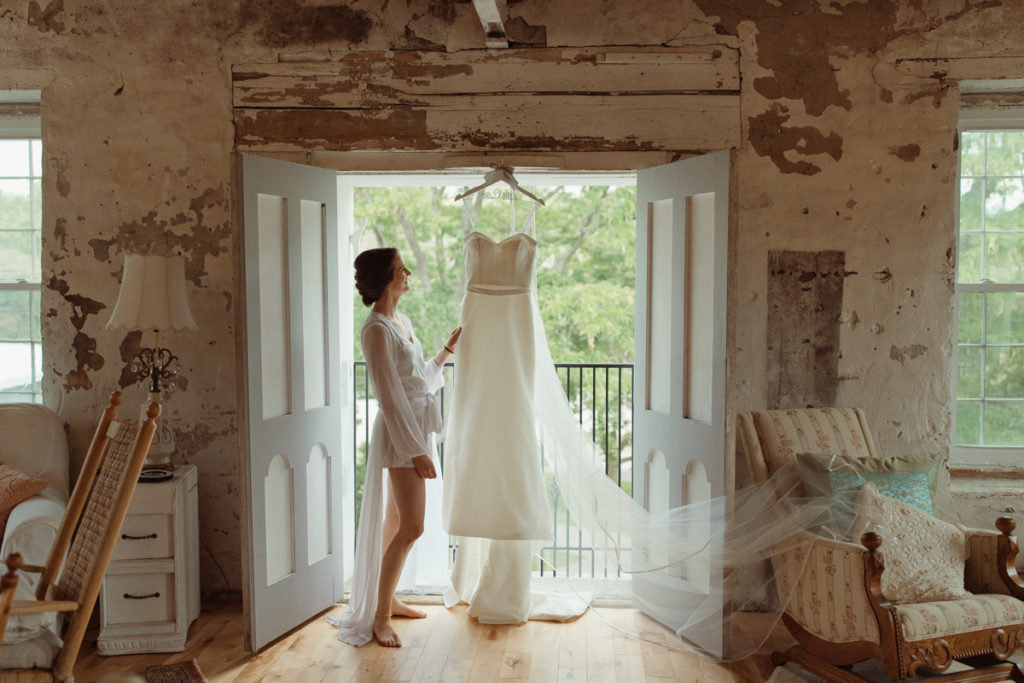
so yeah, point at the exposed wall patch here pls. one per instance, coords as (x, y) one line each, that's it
(805, 304)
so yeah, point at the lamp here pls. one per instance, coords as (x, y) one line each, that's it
(152, 297)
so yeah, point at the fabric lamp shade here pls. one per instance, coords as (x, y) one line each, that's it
(152, 295)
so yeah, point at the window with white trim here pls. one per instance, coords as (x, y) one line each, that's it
(21, 155)
(989, 419)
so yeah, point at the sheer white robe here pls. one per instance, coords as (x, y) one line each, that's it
(405, 385)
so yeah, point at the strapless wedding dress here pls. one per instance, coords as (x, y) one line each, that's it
(495, 499)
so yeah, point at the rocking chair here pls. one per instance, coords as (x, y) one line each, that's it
(836, 629)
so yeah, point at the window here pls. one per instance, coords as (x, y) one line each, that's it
(21, 154)
(990, 292)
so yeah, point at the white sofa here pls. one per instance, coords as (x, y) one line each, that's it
(33, 441)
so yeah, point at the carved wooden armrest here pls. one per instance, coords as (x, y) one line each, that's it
(874, 565)
(1005, 557)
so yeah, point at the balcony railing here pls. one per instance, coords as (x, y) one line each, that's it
(601, 395)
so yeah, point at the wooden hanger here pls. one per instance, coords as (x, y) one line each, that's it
(504, 174)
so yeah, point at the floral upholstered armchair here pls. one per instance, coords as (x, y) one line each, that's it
(836, 608)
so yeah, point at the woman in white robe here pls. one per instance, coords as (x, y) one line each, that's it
(402, 442)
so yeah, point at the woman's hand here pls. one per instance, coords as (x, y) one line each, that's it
(424, 467)
(453, 339)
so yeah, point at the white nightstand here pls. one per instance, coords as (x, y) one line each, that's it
(150, 593)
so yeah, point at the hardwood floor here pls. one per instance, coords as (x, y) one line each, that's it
(446, 646)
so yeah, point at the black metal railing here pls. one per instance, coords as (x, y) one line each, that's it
(601, 396)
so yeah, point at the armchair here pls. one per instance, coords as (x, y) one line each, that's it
(837, 612)
(34, 443)
(69, 582)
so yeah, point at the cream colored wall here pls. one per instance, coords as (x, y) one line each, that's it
(844, 147)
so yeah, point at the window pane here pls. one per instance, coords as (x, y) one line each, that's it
(1004, 204)
(1004, 373)
(37, 204)
(968, 260)
(15, 366)
(14, 316)
(1004, 257)
(969, 326)
(1004, 423)
(970, 203)
(37, 157)
(16, 262)
(13, 158)
(968, 384)
(972, 152)
(1005, 152)
(15, 211)
(36, 318)
(968, 423)
(1005, 318)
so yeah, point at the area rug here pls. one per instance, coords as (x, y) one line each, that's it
(182, 672)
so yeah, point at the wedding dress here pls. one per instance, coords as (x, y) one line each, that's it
(495, 499)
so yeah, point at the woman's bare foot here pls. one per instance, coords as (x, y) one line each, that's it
(384, 633)
(400, 609)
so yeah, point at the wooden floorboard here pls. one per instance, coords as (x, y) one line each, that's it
(446, 646)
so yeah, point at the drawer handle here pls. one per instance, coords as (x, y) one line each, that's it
(129, 596)
(138, 538)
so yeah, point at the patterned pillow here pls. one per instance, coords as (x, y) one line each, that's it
(924, 556)
(911, 479)
(14, 488)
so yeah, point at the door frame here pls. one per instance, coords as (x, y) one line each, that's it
(386, 162)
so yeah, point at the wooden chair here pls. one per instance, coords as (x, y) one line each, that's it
(836, 610)
(71, 578)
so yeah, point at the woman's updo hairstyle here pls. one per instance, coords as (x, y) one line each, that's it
(373, 273)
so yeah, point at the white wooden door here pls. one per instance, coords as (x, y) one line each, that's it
(293, 396)
(680, 372)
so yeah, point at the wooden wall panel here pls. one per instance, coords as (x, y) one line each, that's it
(579, 123)
(397, 78)
(805, 302)
(681, 100)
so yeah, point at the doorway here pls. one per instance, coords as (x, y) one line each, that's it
(585, 285)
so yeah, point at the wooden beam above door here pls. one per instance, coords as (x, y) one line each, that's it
(680, 100)
(371, 79)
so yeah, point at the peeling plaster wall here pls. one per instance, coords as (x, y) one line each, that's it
(841, 151)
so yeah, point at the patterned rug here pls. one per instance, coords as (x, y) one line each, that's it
(182, 672)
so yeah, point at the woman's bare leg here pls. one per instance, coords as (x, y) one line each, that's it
(410, 496)
(391, 517)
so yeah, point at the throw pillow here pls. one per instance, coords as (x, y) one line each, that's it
(14, 488)
(911, 479)
(924, 556)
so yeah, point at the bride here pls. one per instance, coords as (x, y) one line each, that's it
(402, 442)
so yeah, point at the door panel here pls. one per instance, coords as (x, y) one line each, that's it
(293, 395)
(680, 426)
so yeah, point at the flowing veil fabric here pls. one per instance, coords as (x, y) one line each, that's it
(355, 626)
(726, 536)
